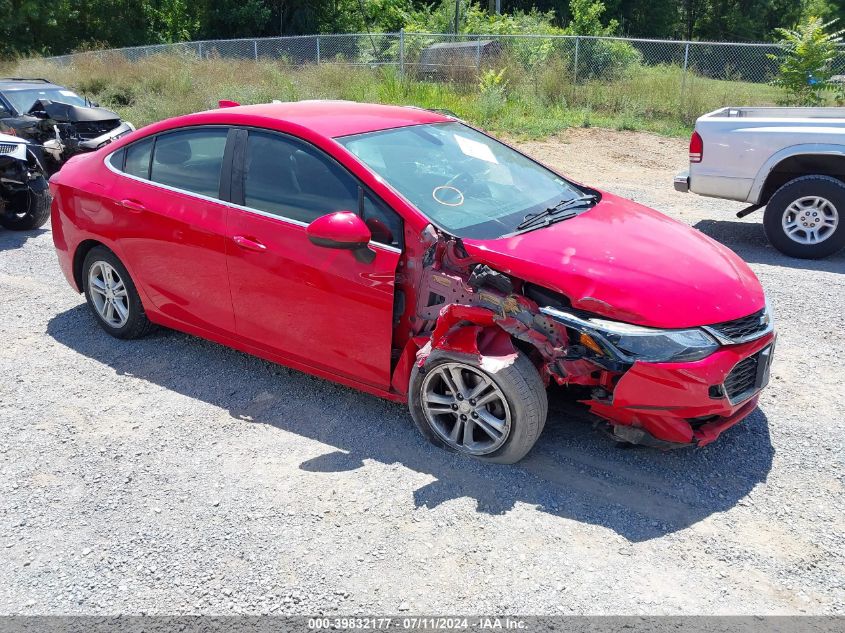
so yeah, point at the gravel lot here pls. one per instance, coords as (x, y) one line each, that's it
(172, 475)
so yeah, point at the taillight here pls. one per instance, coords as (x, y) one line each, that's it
(696, 148)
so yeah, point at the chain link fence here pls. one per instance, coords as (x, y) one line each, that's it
(582, 60)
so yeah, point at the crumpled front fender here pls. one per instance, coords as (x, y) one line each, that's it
(472, 331)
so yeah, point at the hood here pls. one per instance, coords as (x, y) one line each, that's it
(630, 263)
(66, 113)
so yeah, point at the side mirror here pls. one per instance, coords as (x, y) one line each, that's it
(342, 229)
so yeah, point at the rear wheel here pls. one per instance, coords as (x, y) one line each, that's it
(112, 296)
(494, 415)
(27, 209)
(805, 218)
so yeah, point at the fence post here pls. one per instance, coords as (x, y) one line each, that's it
(255, 48)
(318, 50)
(575, 65)
(684, 77)
(402, 53)
(200, 50)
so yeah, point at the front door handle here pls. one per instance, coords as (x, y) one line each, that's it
(248, 244)
(133, 205)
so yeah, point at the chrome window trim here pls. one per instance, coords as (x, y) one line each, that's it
(266, 214)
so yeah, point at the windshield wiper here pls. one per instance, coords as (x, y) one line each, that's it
(556, 212)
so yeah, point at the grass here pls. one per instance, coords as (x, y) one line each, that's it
(526, 104)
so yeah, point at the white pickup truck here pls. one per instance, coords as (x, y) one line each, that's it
(790, 160)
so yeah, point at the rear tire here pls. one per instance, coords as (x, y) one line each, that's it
(505, 408)
(29, 209)
(112, 296)
(805, 218)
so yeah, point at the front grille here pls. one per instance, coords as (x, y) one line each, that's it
(743, 329)
(87, 130)
(7, 148)
(741, 381)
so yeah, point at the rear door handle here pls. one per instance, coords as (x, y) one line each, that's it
(248, 244)
(133, 205)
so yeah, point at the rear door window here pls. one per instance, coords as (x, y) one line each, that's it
(191, 160)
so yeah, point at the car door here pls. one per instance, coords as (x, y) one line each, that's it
(173, 224)
(316, 306)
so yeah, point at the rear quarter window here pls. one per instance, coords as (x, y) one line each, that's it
(138, 158)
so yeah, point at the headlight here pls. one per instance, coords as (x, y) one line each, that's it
(626, 342)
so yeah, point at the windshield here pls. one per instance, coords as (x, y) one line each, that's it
(464, 181)
(23, 100)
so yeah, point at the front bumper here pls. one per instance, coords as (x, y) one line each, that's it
(682, 181)
(680, 404)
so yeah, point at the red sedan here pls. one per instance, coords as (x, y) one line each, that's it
(409, 255)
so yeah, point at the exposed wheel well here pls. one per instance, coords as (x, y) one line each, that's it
(79, 258)
(802, 165)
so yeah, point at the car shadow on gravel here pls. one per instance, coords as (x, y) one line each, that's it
(10, 240)
(574, 472)
(749, 241)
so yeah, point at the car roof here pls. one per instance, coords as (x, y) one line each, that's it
(331, 119)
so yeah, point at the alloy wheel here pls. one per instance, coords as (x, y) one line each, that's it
(466, 408)
(810, 220)
(108, 294)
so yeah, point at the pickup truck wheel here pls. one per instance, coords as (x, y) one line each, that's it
(805, 218)
(29, 209)
(492, 415)
(112, 296)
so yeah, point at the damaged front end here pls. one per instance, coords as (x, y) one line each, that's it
(20, 168)
(662, 388)
(64, 130)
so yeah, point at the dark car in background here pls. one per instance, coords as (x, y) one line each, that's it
(42, 125)
(62, 122)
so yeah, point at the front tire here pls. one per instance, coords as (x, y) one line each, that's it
(112, 296)
(28, 209)
(494, 415)
(805, 218)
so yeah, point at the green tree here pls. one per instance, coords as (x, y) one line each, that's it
(171, 20)
(806, 61)
(586, 18)
(745, 20)
(233, 18)
(388, 15)
(646, 18)
(824, 9)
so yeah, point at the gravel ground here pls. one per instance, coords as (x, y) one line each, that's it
(173, 475)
